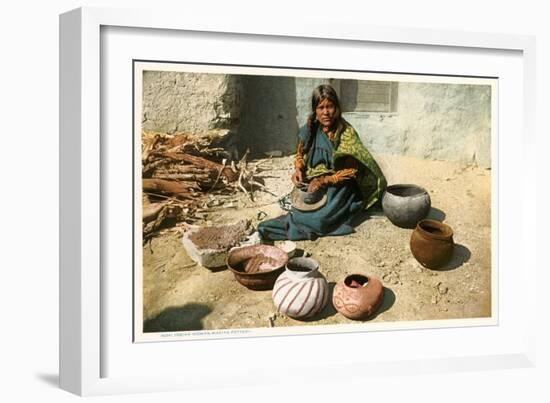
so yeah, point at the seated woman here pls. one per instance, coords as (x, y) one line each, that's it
(329, 157)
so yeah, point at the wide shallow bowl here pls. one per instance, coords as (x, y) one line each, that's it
(405, 205)
(258, 266)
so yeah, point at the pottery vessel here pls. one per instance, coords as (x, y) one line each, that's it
(358, 296)
(258, 266)
(405, 205)
(301, 291)
(310, 197)
(432, 243)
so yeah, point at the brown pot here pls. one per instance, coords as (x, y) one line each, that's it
(432, 243)
(258, 266)
(358, 296)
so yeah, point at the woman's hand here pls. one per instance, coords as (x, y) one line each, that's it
(315, 184)
(329, 180)
(297, 177)
(343, 174)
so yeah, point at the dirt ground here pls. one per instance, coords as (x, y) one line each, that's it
(180, 295)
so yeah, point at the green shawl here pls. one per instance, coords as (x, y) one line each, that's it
(346, 143)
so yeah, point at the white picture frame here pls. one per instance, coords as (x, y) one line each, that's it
(83, 307)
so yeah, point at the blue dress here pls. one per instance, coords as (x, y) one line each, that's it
(344, 202)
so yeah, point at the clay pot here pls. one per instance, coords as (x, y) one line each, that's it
(301, 291)
(405, 205)
(258, 266)
(432, 243)
(358, 296)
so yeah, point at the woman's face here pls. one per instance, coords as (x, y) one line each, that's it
(326, 112)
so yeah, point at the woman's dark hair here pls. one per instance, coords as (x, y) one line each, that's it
(321, 92)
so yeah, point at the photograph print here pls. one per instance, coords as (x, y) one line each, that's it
(275, 201)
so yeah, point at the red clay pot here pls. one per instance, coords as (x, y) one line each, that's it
(358, 296)
(432, 243)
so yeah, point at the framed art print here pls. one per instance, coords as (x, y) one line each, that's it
(231, 193)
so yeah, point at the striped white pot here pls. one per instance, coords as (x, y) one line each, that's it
(301, 291)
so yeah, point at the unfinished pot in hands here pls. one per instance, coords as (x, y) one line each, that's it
(257, 267)
(405, 205)
(432, 243)
(301, 291)
(358, 296)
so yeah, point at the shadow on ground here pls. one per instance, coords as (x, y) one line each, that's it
(49, 379)
(186, 317)
(373, 212)
(387, 302)
(461, 255)
(436, 214)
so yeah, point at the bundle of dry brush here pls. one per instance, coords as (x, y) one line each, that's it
(181, 171)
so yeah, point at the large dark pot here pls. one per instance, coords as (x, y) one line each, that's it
(257, 267)
(432, 243)
(405, 205)
(358, 296)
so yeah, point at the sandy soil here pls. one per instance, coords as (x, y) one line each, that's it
(180, 295)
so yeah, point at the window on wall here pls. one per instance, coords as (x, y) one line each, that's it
(368, 96)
